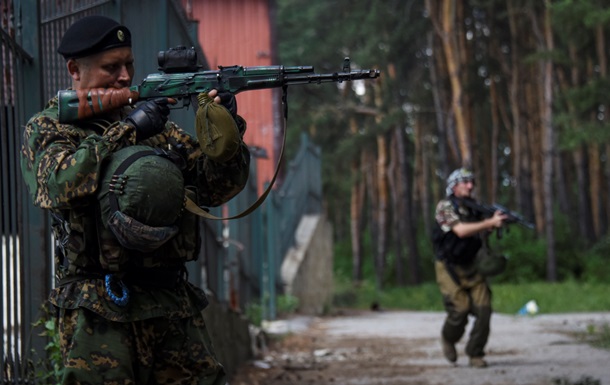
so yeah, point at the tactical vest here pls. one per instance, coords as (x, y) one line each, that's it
(451, 248)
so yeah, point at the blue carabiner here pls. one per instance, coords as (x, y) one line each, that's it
(124, 298)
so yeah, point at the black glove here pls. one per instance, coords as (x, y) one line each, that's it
(149, 118)
(228, 101)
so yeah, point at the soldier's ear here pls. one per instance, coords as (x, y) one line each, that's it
(74, 69)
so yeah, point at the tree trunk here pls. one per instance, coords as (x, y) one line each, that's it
(442, 101)
(422, 193)
(579, 157)
(369, 170)
(535, 101)
(356, 213)
(407, 213)
(532, 157)
(548, 144)
(495, 137)
(513, 72)
(585, 224)
(581, 164)
(381, 183)
(439, 108)
(398, 233)
(449, 21)
(602, 62)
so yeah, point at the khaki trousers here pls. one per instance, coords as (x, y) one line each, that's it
(471, 295)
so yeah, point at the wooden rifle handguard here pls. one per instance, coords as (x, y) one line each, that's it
(95, 101)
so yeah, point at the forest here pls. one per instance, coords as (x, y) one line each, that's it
(516, 90)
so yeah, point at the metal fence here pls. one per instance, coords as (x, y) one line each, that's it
(15, 63)
(239, 260)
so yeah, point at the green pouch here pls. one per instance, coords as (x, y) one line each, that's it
(216, 130)
(489, 263)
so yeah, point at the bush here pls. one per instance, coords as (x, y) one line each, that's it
(596, 262)
(50, 369)
(526, 255)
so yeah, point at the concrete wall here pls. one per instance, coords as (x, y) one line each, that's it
(307, 270)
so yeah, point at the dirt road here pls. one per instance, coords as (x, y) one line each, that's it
(401, 347)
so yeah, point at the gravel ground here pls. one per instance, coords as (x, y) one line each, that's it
(402, 347)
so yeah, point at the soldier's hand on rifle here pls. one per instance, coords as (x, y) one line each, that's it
(225, 99)
(149, 118)
(497, 220)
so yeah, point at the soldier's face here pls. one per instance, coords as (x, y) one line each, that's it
(108, 69)
(464, 188)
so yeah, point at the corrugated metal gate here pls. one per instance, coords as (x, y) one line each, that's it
(16, 65)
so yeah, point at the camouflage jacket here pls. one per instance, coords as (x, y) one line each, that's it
(61, 165)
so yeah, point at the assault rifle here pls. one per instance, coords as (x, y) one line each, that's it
(182, 79)
(488, 211)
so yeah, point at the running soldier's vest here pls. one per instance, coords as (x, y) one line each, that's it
(451, 248)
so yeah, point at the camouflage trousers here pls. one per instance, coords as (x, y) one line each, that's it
(155, 351)
(472, 296)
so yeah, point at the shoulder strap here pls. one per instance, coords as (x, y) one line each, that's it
(115, 181)
(455, 202)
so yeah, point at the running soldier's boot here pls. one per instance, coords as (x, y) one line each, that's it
(449, 350)
(478, 362)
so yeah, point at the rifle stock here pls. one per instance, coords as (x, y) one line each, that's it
(181, 86)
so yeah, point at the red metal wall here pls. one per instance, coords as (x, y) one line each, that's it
(238, 32)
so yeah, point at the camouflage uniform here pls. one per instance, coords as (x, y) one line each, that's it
(464, 290)
(160, 336)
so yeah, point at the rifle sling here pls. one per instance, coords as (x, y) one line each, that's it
(192, 206)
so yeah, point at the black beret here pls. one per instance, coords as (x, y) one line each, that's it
(91, 35)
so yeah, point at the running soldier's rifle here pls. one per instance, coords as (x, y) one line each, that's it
(487, 211)
(181, 80)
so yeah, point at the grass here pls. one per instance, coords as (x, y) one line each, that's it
(565, 297)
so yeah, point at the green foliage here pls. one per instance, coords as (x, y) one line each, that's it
(508, 298)
(526, 255)
(596, 262)
(287, 304)
(394, 37)
(254, 313)
(363, 295)
(373, 35)
(576, 124)
(570, 16)
(584, 284)
(342, 263)
(49, 369)
(564, 297)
